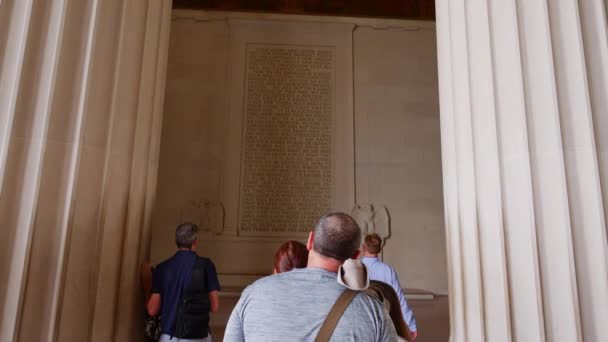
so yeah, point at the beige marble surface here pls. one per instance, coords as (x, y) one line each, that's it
(385, 144)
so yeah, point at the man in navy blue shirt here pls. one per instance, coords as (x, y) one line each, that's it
(173, 283)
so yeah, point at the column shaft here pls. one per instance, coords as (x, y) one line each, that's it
(525, 301)
(523, 87)
(582, 169)
(450, 178)
(487, 173)
(465, 171)
(80, 105)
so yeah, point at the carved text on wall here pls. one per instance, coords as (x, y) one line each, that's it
(286, 157)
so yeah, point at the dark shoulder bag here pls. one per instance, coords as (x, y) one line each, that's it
(386, 294)
(152, 327)
(192, 320)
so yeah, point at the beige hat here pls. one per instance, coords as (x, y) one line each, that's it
(353, 275)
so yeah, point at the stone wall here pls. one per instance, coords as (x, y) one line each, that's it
(380, 98)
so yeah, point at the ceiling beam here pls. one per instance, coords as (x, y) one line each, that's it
(398, 9)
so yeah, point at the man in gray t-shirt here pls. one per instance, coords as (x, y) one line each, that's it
(292, 306)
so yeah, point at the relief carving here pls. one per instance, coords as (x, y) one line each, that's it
(372, 218)
(208, 215)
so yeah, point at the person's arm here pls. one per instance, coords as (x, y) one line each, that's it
(214, 299)
(408, 314)
(153, 305)
(154, 302)
(213, 286)
(146, 279)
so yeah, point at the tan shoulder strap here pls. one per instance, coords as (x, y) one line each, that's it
(334, 315)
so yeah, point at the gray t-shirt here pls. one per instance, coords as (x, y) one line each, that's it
(292, 306)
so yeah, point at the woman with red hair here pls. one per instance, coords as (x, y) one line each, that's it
(292, 254)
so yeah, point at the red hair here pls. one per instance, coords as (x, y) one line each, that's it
(291, 254)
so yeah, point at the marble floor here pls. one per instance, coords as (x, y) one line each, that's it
(432, 317)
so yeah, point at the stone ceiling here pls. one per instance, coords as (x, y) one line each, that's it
(401, 9)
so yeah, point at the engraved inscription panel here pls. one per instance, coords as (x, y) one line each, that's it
(286, 172)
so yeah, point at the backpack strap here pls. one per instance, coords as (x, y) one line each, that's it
(198, 282)
(334, 315)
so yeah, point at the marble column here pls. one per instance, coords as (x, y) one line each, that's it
(81, 94)
(524, 119)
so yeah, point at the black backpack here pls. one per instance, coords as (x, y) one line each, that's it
(192, 320)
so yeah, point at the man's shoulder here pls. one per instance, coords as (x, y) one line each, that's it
(367, 312)
(385, 266)
(204, 259)
(162, 270)
(207, 264)
(176, 260)
(298, 279)
(269, 281)
(164, 264)
(366, 300)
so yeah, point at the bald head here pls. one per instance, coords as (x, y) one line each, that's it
(337, 236)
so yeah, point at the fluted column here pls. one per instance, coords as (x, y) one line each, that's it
(81, 94)
(524, 113)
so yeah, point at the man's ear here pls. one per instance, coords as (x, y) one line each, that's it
(311, 238)
(356, 255)
(194, 243)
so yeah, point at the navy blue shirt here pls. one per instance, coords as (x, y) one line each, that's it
(169, 279)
